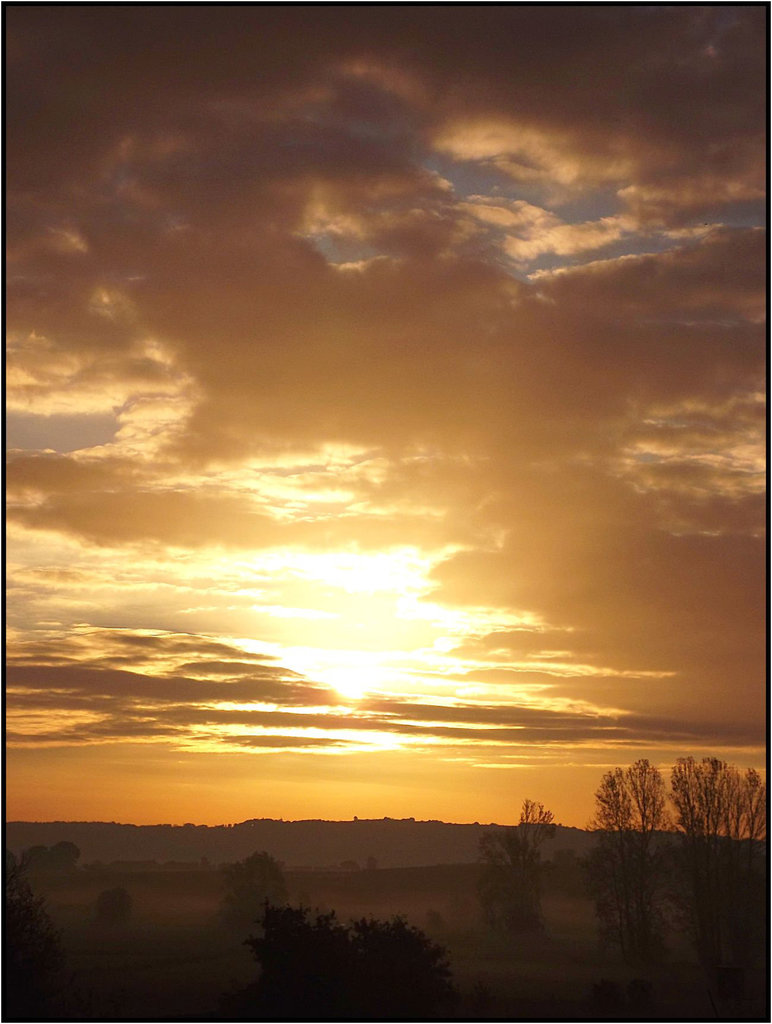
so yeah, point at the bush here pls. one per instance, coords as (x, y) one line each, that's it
(317, 968)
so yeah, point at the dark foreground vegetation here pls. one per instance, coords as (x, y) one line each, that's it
(663, 920)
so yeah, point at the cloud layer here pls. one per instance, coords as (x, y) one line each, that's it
(410, 364)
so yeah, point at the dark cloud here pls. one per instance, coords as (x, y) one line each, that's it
(277, 685)
(721, 277)
(658, 85)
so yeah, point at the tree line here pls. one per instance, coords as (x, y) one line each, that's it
(691, 858)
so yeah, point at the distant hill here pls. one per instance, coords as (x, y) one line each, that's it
(391, 842)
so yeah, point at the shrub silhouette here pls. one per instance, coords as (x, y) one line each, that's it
(113, 906)
(58, 859)
(315, 968)
(249, 884)
(32, 954)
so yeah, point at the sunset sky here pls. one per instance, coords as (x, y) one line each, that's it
(385, 404)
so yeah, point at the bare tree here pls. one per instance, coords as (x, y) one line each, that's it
(625, 869)
(510, 884)
(721, 815)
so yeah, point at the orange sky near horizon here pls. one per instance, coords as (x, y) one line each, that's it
(386, 406)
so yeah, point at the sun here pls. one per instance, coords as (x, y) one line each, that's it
(350, 682)
(353, 674)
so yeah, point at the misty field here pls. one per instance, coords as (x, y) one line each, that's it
(174, 958)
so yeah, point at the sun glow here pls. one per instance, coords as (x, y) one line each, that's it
(351, 673)
(399, 570)
(361, 622)
(349, 681)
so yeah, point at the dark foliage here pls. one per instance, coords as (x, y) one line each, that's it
(32, 955)
(60, 858)
(315, 968)
(113, 906)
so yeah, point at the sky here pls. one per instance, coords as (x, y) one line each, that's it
(385, 406)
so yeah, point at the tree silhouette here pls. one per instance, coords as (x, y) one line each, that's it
(32, 953)
(315, 968)
(721, 815)
(57, 859)
(509, 887)
(248, 884)
(625, 870)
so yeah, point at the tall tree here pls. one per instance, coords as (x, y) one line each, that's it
(249, 883)
(509, 887)
(721, 815)
(625, 868)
